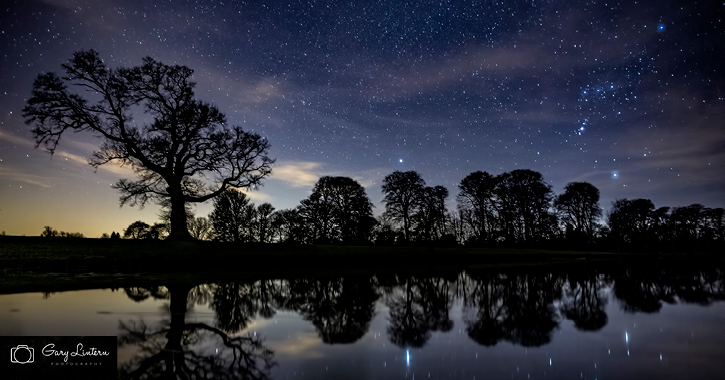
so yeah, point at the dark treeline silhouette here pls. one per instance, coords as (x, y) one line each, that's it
(522, 308)
(512, 209)
(50, 232)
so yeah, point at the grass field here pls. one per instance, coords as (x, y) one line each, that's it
(32, 263)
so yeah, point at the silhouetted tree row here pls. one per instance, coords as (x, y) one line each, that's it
(236, 219)
(635, 225)
(49, 231)
(516, 208)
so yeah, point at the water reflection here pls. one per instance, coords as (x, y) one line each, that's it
(179, 349)
(340, 309)
(417, 306)
(524, 309)
(584, 300)
(644, 289)
(517, 308)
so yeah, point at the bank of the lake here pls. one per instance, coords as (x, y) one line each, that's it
(35, 263)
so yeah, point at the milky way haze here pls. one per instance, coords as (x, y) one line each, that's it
(628, 96)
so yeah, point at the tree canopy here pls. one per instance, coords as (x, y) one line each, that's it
(402, 195)
(181, 149)
(337, 210)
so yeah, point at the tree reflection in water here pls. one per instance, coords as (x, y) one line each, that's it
(644, 289)
(340, 309)
(514, 307)
(520, 308)
(417, 306)
(184, 350)
(584, 300)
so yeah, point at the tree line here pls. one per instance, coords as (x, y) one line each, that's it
(512, 209)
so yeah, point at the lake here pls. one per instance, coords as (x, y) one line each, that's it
(624, 323)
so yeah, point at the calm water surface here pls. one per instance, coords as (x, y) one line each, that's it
(631, 324)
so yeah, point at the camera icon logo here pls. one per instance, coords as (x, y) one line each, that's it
(22, 354)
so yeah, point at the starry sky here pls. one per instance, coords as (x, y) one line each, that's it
(626, 95)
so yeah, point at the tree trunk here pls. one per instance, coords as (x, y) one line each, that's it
(178, 229)
(174, 351)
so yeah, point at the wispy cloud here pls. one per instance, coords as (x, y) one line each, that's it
(32, 179)
(298, 174)
(17, 140)
(257, 196)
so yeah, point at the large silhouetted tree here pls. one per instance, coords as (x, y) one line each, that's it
(523, 203)
(431, 214)
(181, 149)
(476, 200)
(338, 210)
(402, 193)
(579, 208)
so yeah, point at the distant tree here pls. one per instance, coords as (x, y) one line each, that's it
(157, 231)
(630, 221)
(136, 230)
(716, 228)
(460, 226)
(201, 228)
(402, 194)
(338, 210)
(384, 232)
(286, 226)
(48, 231)
(105, 235)
(430, 215)
(477, 200)
(70, 234)
(184, 144)
(232, 216)
(115, 235)
(579, 207)
(661, 228)
(263, 217)
(523, 202)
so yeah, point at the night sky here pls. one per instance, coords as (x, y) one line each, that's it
(626, 95)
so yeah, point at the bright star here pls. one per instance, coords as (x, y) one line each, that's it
(615, 175)
(661, 27)
(401, 160)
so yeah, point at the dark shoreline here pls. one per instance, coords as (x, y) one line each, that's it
(53, 264)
